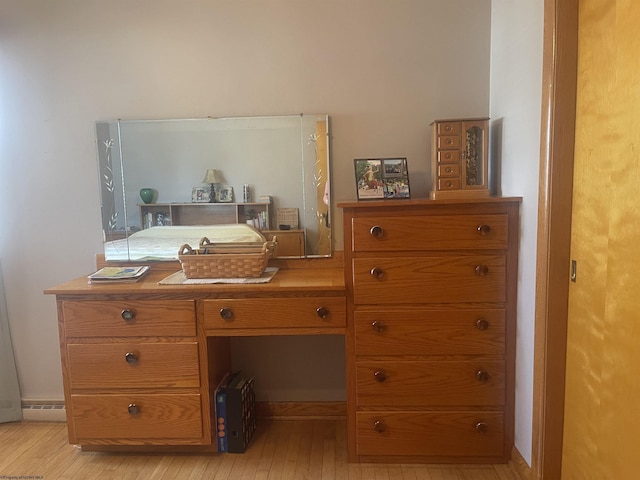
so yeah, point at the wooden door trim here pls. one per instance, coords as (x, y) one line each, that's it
(554, 233)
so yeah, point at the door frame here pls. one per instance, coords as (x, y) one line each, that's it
(557, 140)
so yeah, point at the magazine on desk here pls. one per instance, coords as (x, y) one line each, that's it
(119, 274)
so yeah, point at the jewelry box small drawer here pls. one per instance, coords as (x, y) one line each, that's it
(137, 416)
(133, 365)
(429, 332)
(434, 433)
(448, 128)
(430, 383)
(139, 318)
(449, 156)
(448, 184)
(446, 170)
(287, 312)
(448, 141)
(438, 232)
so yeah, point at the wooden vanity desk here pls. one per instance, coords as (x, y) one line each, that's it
(140, 361)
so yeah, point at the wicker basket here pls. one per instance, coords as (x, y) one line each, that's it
(227, 260)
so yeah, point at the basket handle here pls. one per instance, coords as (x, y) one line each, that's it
(185, 250)
(204, 242)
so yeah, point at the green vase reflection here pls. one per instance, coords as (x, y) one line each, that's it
(146, 194)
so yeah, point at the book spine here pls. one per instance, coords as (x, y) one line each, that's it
(221, 419)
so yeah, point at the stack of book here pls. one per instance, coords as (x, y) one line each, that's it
(235, 406)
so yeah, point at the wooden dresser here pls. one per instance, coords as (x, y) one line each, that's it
(140, 360)
(431, 289)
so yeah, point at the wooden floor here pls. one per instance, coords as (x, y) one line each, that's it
(308, 449)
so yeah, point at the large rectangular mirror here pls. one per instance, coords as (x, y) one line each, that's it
(281, 162)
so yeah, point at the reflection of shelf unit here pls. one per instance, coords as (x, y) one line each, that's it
(154, 214)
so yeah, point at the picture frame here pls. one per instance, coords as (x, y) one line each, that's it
(201, 195)
(382, 178)
(224, 194)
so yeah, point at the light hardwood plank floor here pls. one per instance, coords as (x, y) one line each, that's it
(295, 450)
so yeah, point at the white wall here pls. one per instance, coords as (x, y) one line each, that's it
(516, 96)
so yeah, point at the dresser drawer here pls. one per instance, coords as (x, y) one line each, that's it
(448, 183)
(441, 279)
(438, 232)
(129, 318)
(295, 312)
(133, 365)
(448, 141)
(429, 332)
(137, 416)
(449, 156)
(448, 170)
(430, 433)
(448, 128)
(430, 383)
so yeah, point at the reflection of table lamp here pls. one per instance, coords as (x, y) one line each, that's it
(212, 177)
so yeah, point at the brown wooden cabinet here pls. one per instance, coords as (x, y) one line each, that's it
(431, 329)
(459, 163)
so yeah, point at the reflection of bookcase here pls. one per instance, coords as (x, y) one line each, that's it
(154, 214)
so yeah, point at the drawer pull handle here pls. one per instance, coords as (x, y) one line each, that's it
(322, 312)
(131, 358)
(380, 376)
(133, 409)
(127, 315)
(379, 426)
(378, 326)
(449, 184)
(482, 270)
(482, 376)
(226, 313)
(448, 169)
(482, 427)
(482, 324)
(376, 231)
(484, 229)
(377, 273)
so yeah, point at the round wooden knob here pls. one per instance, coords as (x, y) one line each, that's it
(482, 376)
(378, 326)
(482, 324)
(379, 375)
(379, 426)
(447, 127)
(482, 270)
(449, 184)
(131, 358)
(322, 312)
(483, 229)
(448, 170)
(481, 427)
(133, 409)
(376, 231)
(377, 273)
(447, 155)
(449, 141)
(127, 315)
(226, 313)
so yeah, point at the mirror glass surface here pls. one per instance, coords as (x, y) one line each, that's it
(282, 160)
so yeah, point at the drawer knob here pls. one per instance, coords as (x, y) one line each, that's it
(133, 409)
(449, 184)
(379, 375)
(226, 313)
(379, 426)
(322, 312)
(482, 324)
(448, 170)
(376, 231)
(482, 270)
(483, 229)
(378, 326)
(377, 273)
(127, 315)
(482, 427)
(131, 358)
(482, 376)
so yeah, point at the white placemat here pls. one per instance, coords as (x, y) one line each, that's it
(179, 278)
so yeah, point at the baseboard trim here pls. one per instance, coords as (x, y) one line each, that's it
(302, 410)
(520, 464)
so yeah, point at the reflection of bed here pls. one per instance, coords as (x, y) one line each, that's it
(163, 243)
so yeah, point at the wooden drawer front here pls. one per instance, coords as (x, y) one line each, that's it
(420, 383)
(125, 365)
(150, 318)
(449, 156)
(448, 128)
(437, 232)
(446, 170)
(430, 433)
(158, 416)
(429, 332)
(443, 279)
(448, 184)
(449, 141)
(275, 312)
